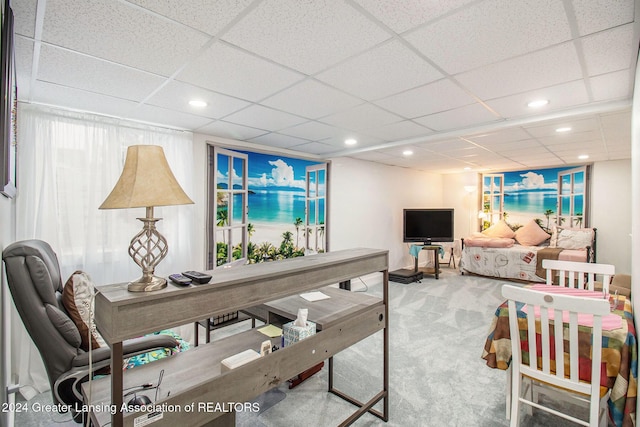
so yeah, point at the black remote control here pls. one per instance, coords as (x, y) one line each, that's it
(196, 276)
(179, 279)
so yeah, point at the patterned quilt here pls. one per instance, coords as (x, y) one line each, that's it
(517, 262)
(619, 355)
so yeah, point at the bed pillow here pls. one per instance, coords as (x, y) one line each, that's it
(77, 299)
(571, 238)
(531, 234)
(500, 229)
(489, 242)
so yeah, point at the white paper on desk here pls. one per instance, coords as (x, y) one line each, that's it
(314, 296)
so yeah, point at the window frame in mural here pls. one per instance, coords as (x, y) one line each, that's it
(316, 208)
(272, 219)
(570, 183)
(492, 198)
(228, 207)
(574, 190)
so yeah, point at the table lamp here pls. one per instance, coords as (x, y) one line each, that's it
(146, 181)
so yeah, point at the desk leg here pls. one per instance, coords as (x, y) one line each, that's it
(116, 383)
(436, 262)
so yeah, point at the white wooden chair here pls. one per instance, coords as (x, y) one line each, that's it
(567, 383)
(581, 275)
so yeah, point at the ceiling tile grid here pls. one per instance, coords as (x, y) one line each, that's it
(305, 75)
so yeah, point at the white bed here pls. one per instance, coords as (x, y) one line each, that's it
(519, 262)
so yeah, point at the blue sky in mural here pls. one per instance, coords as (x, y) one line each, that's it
(531, 191)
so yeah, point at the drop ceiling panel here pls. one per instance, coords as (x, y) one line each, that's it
(428, 99)
(499, 136)
(176, 95)
(404, 15)
(313, 131)
(367, 75)
(599, 15)
(562, 96)
(318, 148)
(278, 140)
(76, 99)
(610, 86)
(67, 68)
(121, 33)
(227, 70)
(577, 125)
(24, 15)
(317, 33)
(608, 51)
(261, 117)
(171, 118)
(398, 131)
(476, 33)
(447, 145)
(458, 118)
(537, 70)
(312, 99)
(361, 118)
(363, 140)
(207, 16)
(231, 130)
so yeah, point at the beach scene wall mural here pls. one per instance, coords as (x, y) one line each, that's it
(279, 213)
(533, 194)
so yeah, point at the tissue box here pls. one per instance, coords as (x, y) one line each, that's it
(293, 333)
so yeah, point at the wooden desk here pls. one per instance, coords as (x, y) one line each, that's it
(194, 377)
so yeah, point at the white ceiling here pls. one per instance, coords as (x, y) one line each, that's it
(449, 79)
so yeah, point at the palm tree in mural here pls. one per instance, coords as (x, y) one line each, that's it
(578, 219)
(297, 223)
(222, 217)
(250, 230)
(548, 214)
(321, 236)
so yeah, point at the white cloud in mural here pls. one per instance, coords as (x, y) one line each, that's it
(531, 181)
(281, 176)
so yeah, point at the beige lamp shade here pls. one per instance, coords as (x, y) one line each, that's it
(146, 181)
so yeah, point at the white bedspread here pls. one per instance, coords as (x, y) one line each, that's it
(516, 262)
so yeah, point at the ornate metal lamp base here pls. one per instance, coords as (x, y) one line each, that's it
(141, 285)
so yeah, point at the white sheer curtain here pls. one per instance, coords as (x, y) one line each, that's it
(68, 163)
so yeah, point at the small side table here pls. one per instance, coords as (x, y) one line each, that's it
(436, 261)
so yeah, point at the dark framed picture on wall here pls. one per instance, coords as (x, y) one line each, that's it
(8, 107)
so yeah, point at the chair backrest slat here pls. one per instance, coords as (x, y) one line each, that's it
(581, 275)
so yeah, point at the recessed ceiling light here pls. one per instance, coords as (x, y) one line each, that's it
(564, 129)
(538, 103)
(583, 156)
(350, 141)
(197, 103)
(407, 153)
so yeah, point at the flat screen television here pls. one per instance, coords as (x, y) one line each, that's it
(427, 225)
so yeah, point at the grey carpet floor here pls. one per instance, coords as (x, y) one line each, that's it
(437, 377)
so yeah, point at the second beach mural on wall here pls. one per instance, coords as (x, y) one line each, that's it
(533, 194)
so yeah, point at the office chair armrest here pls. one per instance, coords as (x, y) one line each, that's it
(130, 348)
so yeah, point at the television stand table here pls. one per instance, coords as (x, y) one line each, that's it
(436, 261)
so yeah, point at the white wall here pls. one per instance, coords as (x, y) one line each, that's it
(465, 203)
(366, 201)
(611, 212)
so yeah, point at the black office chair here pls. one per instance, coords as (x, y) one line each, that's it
(33, 275)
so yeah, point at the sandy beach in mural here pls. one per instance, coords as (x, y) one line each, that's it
(272, 233)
